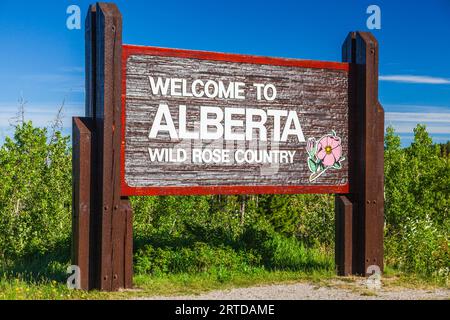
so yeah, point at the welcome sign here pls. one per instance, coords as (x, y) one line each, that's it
(197, 122)
(179, 122)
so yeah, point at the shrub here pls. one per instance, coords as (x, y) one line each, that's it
(283, 253)
(417, 191)
(35, 192)
(200, 258)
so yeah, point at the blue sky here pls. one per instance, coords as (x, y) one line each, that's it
(43, 61)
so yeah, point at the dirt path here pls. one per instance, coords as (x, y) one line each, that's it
(337, 290)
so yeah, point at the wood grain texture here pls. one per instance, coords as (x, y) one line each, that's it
(372, 214)
(366, 175)
(343, 235)
(102, 219)
(81, 197)
(110, 233)
(320, 97)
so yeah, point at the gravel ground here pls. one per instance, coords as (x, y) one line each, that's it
(308, 291)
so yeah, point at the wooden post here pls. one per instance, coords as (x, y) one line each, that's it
(81, 196)
(110, 227)
(344, 235)
(366, 156)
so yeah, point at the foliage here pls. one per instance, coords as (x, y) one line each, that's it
(417, 207)
(290, 254)
(445, 149)
(35, 192)
(222, 235)
(199, 258)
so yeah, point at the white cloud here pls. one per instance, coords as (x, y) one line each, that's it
(416, 108)
(72, 69)
(414, 79)
(418, 117)
(405, 122)
(70, 107)
(40, 114)
(70, 89)
(431, 128)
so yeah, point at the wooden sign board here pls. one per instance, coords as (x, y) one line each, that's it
(197, 122)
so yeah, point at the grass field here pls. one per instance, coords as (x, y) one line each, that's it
(21, 287)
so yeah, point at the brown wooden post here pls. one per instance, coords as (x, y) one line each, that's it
(344, 235)
(90, 56)
(366, 158)
(81, 196)
(110, 225)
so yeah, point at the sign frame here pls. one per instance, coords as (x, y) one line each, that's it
(129, 50)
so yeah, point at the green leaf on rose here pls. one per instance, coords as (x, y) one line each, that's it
(337, 165)
(312, 165)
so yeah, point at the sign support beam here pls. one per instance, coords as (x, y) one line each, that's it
(110, 215)
(360, 214)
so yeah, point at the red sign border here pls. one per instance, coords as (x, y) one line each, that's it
(126, 190)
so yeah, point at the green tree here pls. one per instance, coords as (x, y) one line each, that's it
(35, 191)
(417, 182)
